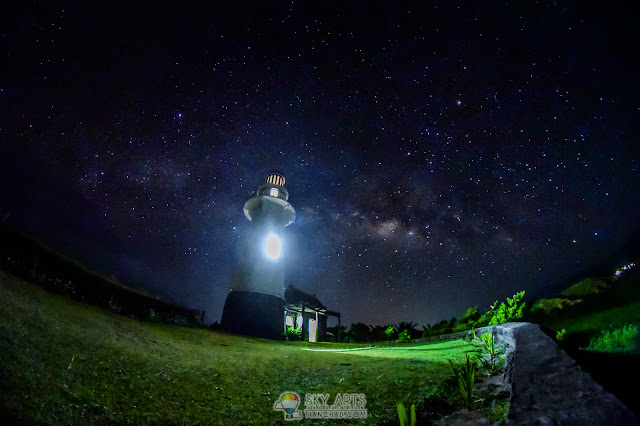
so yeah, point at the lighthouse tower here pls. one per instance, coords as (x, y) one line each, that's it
(255, 305)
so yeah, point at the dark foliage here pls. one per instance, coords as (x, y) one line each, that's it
(360, 333)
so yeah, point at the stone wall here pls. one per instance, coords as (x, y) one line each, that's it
(548, 387)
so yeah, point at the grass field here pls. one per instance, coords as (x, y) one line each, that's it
(594, 322)
(66, 362)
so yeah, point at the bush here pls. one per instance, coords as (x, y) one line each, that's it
(409, 326)
(437, 328)
(618, 340)
(487, 342)
(442, 327)
(513, 310)
(560, 334)
(462, 327)
(466, 376)
(181, 321)
(498, 411)
(486, 318)
(292, 333)
(389, 332)
(468, 320)
(404, 336)
(470, 316)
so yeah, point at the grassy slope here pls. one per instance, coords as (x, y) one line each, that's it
(127, 371)
(620, 307)
(611, 307)
(596, 321)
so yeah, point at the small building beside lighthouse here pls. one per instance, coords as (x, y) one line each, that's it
(306, 314)
(256, 302)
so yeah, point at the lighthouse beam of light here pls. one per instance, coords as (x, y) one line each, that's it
(273, 247)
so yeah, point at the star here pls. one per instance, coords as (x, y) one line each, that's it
(381, 161)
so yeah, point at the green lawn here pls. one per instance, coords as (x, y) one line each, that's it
(603, 320)
(65, 362)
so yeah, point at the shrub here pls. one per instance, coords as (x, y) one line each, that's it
(402, 415)
(466, 376)
(404, 336)
(438, 328)
(471, 315)
(292, 333)
(560, 334)
(487, 342)
(462, 327)
(468, 320)
(389, 332)
(409, 326)
(486, 318)
(498, 411)
(513, 310)
(181, 321)
(618, 340)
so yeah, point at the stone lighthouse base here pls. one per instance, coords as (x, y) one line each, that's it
(253, 314)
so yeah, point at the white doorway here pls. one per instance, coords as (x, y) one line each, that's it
(313, 330)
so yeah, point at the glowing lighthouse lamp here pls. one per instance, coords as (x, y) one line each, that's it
(273, 246)
(256, 301)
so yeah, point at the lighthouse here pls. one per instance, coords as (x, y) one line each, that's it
(255, 305)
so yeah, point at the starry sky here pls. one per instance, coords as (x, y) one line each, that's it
(439, 154)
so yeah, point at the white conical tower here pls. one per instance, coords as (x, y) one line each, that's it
(255, 305)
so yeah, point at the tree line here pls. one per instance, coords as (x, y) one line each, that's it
(498, 313)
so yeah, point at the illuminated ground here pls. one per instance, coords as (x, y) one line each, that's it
(66, 362)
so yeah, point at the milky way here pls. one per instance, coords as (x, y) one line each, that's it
(439, 157)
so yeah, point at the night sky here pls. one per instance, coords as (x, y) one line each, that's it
(440, 155)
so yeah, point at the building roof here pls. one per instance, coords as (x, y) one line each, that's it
(293, 296)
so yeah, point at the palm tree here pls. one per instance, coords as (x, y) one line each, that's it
(378, 333)
(410, 327)
(360, 332)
